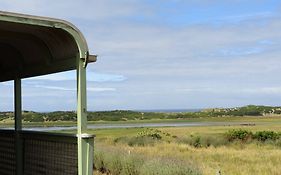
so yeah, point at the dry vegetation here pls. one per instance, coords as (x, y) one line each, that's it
(142, 151)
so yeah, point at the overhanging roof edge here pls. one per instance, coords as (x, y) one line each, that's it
(52, 23)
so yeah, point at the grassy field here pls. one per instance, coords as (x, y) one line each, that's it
(195, 150)
(188, 150)
(257, 119)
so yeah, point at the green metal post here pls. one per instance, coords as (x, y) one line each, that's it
(18, 126)
(85, 161)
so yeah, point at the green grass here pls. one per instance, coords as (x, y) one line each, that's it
(119, 161)
(207, 155)
(246, 119)
(186, 150)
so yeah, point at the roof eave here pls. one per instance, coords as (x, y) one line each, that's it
(52, 23)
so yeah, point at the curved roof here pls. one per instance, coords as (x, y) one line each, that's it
(32, 46)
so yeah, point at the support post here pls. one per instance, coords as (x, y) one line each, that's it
(18, 126)
(85, 147)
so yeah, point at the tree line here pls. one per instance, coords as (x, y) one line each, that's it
(124, 115)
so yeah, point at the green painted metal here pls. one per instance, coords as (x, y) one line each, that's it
(85, 160)
(46, 31)
(18, 126)
(90, 154)
(85, 143)
(18, 104)
(81, 97)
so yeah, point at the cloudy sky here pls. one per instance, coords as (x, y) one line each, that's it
(163, 54)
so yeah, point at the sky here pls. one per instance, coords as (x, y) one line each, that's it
(162, 54)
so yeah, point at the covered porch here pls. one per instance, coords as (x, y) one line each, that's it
(32, 46)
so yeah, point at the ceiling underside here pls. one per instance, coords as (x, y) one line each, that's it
(28, 50)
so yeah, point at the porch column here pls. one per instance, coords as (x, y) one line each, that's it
(85, 145)
(18, 126)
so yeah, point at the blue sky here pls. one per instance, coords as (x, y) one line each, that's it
(163, 54)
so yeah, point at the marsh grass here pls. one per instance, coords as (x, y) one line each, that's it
(137, 141)
(199, 141)
(191, 150)
(110, 160)
(157, 166)
(147, 136)
(174, 158)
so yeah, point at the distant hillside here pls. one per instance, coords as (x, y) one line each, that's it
(250, 110)
(121, 115)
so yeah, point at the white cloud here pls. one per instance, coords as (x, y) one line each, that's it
(55, 88)
(99, 89)
(94, 89)
(235, 90)
(71, 75)
(264, 90)
(83, 10)
(144, 57)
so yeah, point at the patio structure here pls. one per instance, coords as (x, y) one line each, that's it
(33, 46)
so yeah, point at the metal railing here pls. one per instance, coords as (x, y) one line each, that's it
(7, 152)
(42, 153)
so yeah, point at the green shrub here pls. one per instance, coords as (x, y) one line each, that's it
(114, 165)
(266, 135)
(99, 159)
(203, 141)
(117, 162)
(197, 142)
(239, 134)
(154, 134)
(218, 140)
(146, 137)
(131, 165)
(192, 140)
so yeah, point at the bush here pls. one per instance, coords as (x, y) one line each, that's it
(131, 165)
(143, 138)
(192, 140)
(203, 141)
(114, 166)
(215, 141)
(154, 134)
(116, 162)
(266, 135)
(239, 134)
(99, 159)
(197, 142)
(244, 136)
